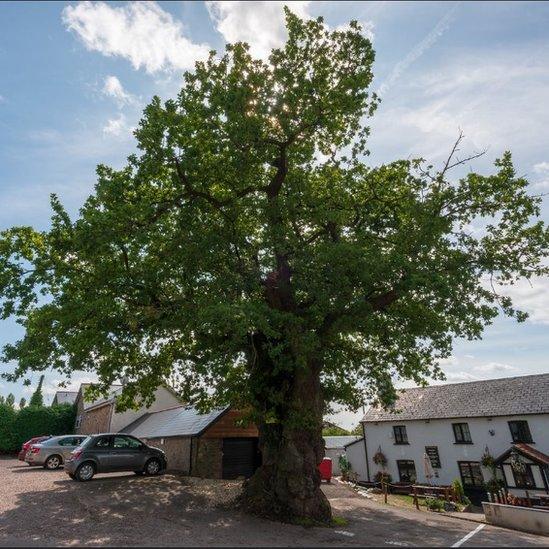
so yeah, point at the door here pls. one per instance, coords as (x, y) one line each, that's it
(241, 457)
(126, 454)
(102, 453)
(473, 481)
(406, 471)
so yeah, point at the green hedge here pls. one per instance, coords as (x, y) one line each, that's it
(18, 426)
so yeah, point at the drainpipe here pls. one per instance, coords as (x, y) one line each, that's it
(191, 458)
(366, 452)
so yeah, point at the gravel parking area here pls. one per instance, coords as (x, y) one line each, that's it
(39, 507)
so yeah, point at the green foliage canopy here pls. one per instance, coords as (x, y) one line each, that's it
(18, 426)
(250, 217)
(37, 399)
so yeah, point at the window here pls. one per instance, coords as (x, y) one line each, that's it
(401, 437)
(470, 472)
(103, 442)
(406, 470)
(461, 433)
(66, 441)
(520, 431)
(126, 442)
(524, 479)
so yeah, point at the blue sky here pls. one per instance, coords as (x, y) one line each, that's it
(75, 78)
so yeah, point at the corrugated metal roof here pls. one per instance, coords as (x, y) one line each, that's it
(339, 441)
(511, 396)
(183, 421)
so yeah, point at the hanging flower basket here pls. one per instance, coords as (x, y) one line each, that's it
(380, 459)
(487, 459)
(516, 463)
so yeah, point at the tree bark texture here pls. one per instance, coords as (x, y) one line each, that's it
(287, 485)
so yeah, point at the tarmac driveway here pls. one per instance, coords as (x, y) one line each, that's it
(39, 507)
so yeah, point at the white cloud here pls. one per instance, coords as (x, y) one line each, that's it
(112, 87)
(367, 28)
(541, 167)
(116, 126)
(532, 297)
(494, 368)
(497, 97)
(457, 377)
(141, 32)
(542, 185)
(260, 24)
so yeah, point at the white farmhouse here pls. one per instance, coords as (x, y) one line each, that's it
(455, 425)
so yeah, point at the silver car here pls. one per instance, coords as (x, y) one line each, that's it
(53, 453)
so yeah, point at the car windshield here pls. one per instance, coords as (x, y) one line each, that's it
(84, 442)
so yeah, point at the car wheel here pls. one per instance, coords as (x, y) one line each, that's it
(85, 472)
(153, 467)
(53, 462)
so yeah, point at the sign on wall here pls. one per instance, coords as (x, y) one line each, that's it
(432, 452)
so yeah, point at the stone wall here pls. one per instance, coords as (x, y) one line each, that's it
(96, 420)
(207, 458)
(177, 450)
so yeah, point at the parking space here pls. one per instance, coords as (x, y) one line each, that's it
(41, 507)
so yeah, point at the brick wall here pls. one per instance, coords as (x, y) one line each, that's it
(96, 420)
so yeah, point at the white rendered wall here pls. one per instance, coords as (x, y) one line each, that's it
(355, 454)
(163, 399)
(439, 433)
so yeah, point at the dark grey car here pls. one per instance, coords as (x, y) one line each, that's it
(110, 452)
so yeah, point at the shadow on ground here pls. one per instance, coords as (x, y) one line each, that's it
(47, 508)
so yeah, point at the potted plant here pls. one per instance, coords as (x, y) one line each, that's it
(344, 466)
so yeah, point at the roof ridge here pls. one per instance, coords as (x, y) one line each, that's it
(473, 382)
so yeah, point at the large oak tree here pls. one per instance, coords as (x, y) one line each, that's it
(249, 253)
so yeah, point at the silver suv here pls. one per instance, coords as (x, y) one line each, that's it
(110, 452)
(53, 452)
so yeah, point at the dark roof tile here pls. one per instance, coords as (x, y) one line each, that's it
(493, 397)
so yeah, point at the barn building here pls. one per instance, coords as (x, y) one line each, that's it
(210, 445)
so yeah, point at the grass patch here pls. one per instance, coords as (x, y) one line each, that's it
(339, 521)
(310, 523)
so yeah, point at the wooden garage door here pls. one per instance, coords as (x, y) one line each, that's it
(240, 457)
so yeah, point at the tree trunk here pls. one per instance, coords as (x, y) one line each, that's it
(287, 485)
